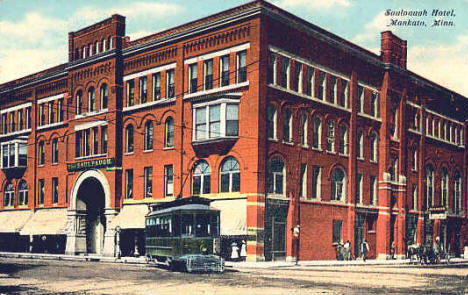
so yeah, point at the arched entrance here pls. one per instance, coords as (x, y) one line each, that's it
(90, 201)
(88, 215)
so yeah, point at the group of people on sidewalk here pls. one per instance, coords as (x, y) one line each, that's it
(344, 252)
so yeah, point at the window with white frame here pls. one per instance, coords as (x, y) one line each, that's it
(9, 195)
(23, 193)
(271, 122)
(170, 88)
(216, 119)
(143, 89)
(310, 81)
(343, 100)
(375, 104)
(287, 126)
(40, 153)
(457, 191)
(360, 145)
(316, 182)
(374, 147)
(95, 150)
(169, 133)
(241, 58)
(91, 100)
(334, 89)
(59, 110)
(373, 190)
(395, 114)
(148, 136)
(394, 168)
(331, 136)
(224, 70)
(79, 102)
(343, 139)
(201, 178)
(14, 154)
(41, 115)
(285, 71)
(156, 86)
(338, 189)
(103, 139)
(276, 181)
(129, 184)
(415, 197)
(414, 159)
(322, 86)
(230, 175)
(359, 188)
(304, 129)
(429, 186)
(303, 188)
(148, 183)
(444, 183)
(104, 96)
(360, 99)
(317, 135)
(272, 69)
(130, 93)
(129, 139)
(208, 74)
(4, 124)
(298, 78)
(51, 112)
(193, 81)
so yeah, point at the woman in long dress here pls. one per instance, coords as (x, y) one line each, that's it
(234, 251)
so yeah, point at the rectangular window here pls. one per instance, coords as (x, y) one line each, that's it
(78, 143)
(143, 90)
(344, 93)
(41, 153)
(60, 110)
(41, 114)
(22, 154)
(55, 153)
(359, 188)
(208, 74)
(303, 192)
(316, 182)
(224, 70)
(216, 120)
(4, 124)
(51, 112)
(12, 121)
(170, 91)
(337, 231)
(168, 180)
(285, 66)
(322, 87)
(129, 184)
(148, 189)
(331, 137)
(156, 86)
(241, 66)
(272, 69)
(104, 140)
(130, 93)
(373, 190)
(55, 190)
(200, 123)
(214, 123)
(298, 78)
(375, 104)
(360, 99)
(95, 140)
(334, 89)
(40, 191)
(232, 122)
(310, 81)
(287, 126)
(86, 149)
(20, 120)
(415, 197)
(192, 78)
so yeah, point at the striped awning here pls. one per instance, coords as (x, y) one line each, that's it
(12, 221)
(233, 215)
(46, 222)
(130, 217)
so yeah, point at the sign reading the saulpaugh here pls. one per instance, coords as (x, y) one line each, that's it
(78, 166)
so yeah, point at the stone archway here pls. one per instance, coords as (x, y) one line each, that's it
(88, 215)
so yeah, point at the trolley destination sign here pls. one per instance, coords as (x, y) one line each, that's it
(100, 163)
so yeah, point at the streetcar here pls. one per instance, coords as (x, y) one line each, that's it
(184, 234)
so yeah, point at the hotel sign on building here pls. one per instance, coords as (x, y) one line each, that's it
(91, 164)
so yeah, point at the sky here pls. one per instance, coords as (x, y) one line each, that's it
(34, 33)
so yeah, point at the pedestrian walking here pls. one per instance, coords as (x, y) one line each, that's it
(364, 249)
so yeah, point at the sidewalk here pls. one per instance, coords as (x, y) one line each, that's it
(228, 264)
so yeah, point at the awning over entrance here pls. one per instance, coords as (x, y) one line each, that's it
(13, 221)
(46, 222)
(233, 216)
(130, 217)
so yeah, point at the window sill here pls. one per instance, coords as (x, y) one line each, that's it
(373, 162)
(344, 155)
(129, 153)
(168, 148)
(360, 158)
(317, 149)
(273, 139)
(331, 152)
(148, 151)
(304, 146)
(54, 164)
(288, 142)
(40, 166)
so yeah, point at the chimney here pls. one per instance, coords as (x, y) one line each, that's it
(393, 49)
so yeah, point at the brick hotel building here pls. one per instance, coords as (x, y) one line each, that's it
(278, 121)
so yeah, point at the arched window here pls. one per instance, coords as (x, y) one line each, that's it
(457, 189)
(304, 127)
(429, 186)
(414, 159)
(9, 195)
(287, 126)
(360, 145)
(343, 139)
(79, 102)
(104, 93)
(169, 133)
(230, 175)
(129, 139)
(271, 121)
(317, 136)
(331, 136)
(374, 147)
(201, 178)
(444, 183)
(148, 135)
(91, 100)
(23, 193)
(338, 188)
(276, 181)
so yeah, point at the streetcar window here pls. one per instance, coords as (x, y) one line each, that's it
(175, 225)
(214, 228)
(187, 224)
(202, 226)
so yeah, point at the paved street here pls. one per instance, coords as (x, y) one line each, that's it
(27, 276)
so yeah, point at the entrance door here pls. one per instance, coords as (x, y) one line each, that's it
(358, 234)
(278, 250)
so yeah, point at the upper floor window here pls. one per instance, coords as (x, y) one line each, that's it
(317, 136)
(298, 78)
(60, 110)
(343, 139)
(394, 168)
(375, 104)
(287, 126)
(156, 86)
(55, 189)
(208, 74)
(360, 145)
(331, 136)
(103, 44)
(109, 42)
(169, 133)
(41, 153)
(103, 140)
(129, 139)
(338, 190)
(192, 78)
(373, 190)
(28, 117)
(303, 187)
(230, 175)
(316, 182)
(104, 94)
(51, 112)
(276, 182)
(9, 195)
(394, 126)
(55, 151)
(304, 128)
(271, 121)
(148, 182)
(143, 90)
(168, 180)
(224, 70)
(20, 120)
(374, 147)
(429, 186)
(12, 122)
(148, 136)
(414, 159)
(91, 100)
(360, 99)
(457, 192)
(79, 102)
(201, 179)
(310, 81)
(285, 72)
(359, 188)
(23, 193)
(83, 51)
(415, 197)
(334, 89)
(41, 114)
(272, 69)
(96, 47)
(129, 184)
(444, 183)
(40, 192)
(216, 120)
(4, 124)
(170, 91)
(343, 100)
(130, 93)
(241, 66)
(322, 86)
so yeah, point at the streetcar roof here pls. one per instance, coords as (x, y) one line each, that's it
(188, 207)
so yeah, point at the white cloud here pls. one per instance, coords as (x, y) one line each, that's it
(444, 64)
(313, 4)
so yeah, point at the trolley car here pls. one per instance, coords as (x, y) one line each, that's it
(184, 233)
